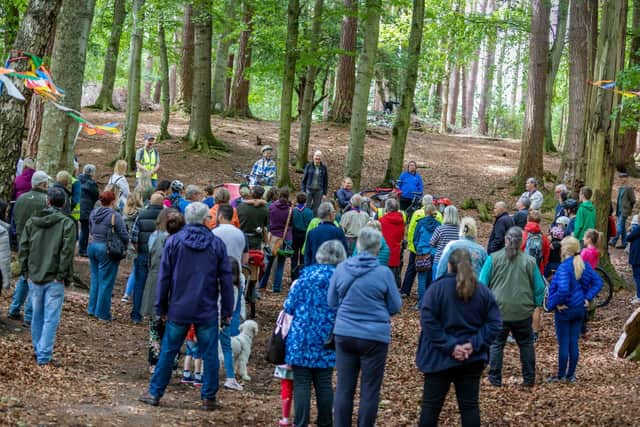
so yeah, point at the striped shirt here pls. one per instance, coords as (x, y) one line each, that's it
(443, 235)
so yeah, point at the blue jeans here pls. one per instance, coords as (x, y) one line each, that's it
(47, 302)
(568, 326)
(621, 229)
(20, 295)
(636, 278)
(434, 270)
(277, 279)
(103, 277)
(141, 269)
(174, 335)
(131, 281)
(424, 280)
(225, 337)
(409, 275)
(356, 357)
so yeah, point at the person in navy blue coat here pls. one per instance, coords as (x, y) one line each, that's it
(634, 255)
(459, 320)
(573, 286)
(324, 232)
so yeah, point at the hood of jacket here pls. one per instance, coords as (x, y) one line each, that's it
(360, 265)
(430, 223)
(532, 227)
(394, 218)
(102, 214)
(47, 218)
(195, 236)
(588, 205)
(281, 206)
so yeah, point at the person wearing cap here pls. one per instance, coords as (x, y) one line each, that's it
(534, 195)
(147, 158)
(634, 255)
(624, 206)
(264, 169)
(28, 204)
(47, 246)
(315, 182)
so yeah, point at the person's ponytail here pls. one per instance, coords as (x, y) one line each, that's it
(570, 247)
(466, 281)
(578, 266)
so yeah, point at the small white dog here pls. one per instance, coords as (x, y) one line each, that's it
(241, 348)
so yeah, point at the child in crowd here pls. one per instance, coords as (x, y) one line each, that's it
(285, 374)
(188, 377)
(571, 207)
(557, 232)
(634, 255)
(164, 187)
(209, 200)
(590, 254)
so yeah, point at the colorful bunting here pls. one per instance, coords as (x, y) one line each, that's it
(611, 85)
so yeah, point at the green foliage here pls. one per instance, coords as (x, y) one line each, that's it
(629, 110)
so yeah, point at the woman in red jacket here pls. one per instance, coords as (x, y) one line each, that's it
(393, 232)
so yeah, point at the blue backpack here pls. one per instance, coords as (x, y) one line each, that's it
(533, 247)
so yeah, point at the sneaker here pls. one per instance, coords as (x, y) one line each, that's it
(570, 380)
(284, 422)
(232, 384)
(635, 301)
(197, 380)
(552, 380)
(511, 339)
(125, 299)
(536, 335)
(187, 378)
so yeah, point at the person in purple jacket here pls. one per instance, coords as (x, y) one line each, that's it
(280, 217)
(22, 183)
(194, 271)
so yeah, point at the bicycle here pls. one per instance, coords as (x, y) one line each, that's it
(603, 298)
(379, 196)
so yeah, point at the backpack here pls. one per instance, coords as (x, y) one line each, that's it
(533, 247)
(174, 199)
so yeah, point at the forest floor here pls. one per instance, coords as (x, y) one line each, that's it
(104, 367)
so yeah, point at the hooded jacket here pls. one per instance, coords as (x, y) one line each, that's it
(89, 195)
(28, 204)
(393, 233)
(534, 227)
(278, 214)
(47, 246)
(365, 308)
(565, 289)
(585, 219)
(422, 237)
(100, 224)
(22, 183)
(194, 271)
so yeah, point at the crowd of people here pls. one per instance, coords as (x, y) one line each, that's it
(189, 245)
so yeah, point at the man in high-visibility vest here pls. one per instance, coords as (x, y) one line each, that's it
(148, 158)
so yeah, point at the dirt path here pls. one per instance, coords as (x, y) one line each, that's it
(104, 364)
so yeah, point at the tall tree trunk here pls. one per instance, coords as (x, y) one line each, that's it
(530, 164)
(157, 90)
(164, 82)
(499, 87)
(454, 93)
(403, 113)
(104, 101)
(366, 63)
(128, 140)
(380, 96)
(222, 52)
(487, 76)
(35, 27)
(625, 160)
(463, 97)
(346, 72)
(444, 112)
(581, 36)
(185, 83)
(228, 82)
(288, 81)
(172, 83)
(602, 128)
(56, 147)
(306, 114)
(239, 95)
(516, 76)
(328, 90)
(473, 78)
(554, 63)
(200, 136)
(148, 80)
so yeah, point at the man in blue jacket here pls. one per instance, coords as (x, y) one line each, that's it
(410, 183)
(195, 269)
(324, 232)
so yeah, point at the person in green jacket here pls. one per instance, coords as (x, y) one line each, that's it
(586, 216)
(518, 287)
(47, 246)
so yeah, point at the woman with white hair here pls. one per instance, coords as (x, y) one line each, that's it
(313, 319)
(468, 233)
(444, 234)
(365, 296)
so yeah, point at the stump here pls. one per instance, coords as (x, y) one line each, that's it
(628, 345)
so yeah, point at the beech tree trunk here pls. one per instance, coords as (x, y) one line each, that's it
(346, 73)
(463, 97)
(444, 112)
(218, 102)
(487, 76)
(498, 103)
(128, 140)
(185, 83)
(328, 90)
(366, 63)
(467, 120)
(164, 82)
(530, 164)
(172, 83)
(33, 35)
(200, 136)
(228, 82)
(56, 147)
(581, 31)
(104, 101)
(403, 113)
(239, 95)
(148, 80)
(516, 77)
(306, 113)
(554, 63)
(454, 93)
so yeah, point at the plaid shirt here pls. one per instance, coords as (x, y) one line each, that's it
(263, 172)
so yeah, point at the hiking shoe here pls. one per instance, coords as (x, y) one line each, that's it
(14, 316)
(635, 301)
(187, 378)
(149, 399)
(197, 380)
(232, 384)
(209, 404)
(125, 299)
(570, 380)
(552, 380)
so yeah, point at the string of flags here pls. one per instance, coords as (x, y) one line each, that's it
(611, 85)
(40, 81)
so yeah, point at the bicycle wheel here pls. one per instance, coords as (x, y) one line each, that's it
(606, 293)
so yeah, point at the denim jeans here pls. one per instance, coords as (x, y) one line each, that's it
(636, 278)
(47, 302)
(568, 326)
(424, 280)
(103, 277)
(621, 229)
(131, 282)
(434, 270)
(409, 275)
(83, 241)
(174, 335)
(20, 295)
(353, 356)
(522, 332)
(225, 337)
(141, 270)
(321, 380)
(277, 279)
(466, 379)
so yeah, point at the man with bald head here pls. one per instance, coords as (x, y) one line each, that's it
(502, 223)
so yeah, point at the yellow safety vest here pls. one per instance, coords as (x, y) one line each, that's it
(149, 161)
(75, 209)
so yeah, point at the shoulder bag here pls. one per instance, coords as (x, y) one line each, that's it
(116, 250)
(279, 245)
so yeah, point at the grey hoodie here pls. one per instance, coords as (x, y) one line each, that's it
(100, 224)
